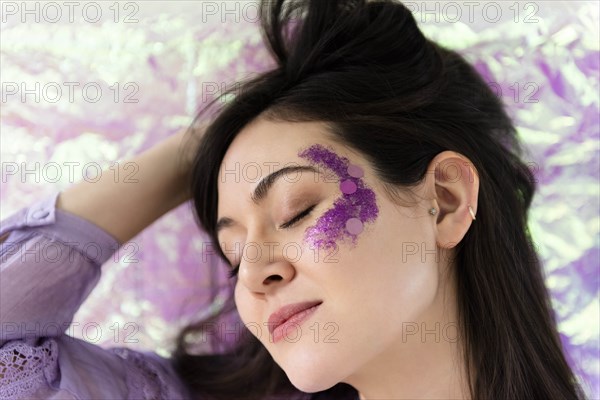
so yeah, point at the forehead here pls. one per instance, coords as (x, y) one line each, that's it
(263, 147)
(274, 141)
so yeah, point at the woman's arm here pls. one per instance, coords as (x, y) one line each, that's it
(124, 208)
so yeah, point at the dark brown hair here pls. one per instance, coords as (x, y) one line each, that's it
(365, 69)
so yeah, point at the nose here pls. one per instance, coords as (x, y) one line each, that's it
(264, 269)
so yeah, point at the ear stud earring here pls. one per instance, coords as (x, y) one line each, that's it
(433, 211)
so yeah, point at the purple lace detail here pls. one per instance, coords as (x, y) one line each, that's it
(143, 379)
(24, 369)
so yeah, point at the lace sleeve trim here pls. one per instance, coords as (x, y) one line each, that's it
(24, 369)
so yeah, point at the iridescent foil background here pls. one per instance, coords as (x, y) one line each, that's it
(157, 62)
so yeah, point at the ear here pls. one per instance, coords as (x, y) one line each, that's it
(456, 186)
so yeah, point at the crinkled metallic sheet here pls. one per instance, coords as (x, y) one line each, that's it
(156, 62)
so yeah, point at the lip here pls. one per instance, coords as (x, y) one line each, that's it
(292, 313)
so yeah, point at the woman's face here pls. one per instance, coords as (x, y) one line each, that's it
(369, 263)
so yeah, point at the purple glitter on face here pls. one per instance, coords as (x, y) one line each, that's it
(351, 211)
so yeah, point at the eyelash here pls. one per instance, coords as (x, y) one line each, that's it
(234, 271)
(297, 218)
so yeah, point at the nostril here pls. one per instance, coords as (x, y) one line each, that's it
(274, 278)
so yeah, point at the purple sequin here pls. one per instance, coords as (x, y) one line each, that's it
(354, 226)
(350, 211)
(355, 171)
(348, 186)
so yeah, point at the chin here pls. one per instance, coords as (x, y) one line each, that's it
(311, 374)
(311, 383)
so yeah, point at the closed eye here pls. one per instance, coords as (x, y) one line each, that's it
(234, 271)
(297, 218)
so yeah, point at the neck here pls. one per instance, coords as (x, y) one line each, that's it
(426, 362)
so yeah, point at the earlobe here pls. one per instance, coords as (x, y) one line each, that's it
(456, 191)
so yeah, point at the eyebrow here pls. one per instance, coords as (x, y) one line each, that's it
(262, 189)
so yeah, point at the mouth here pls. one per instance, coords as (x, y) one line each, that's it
(290, 316)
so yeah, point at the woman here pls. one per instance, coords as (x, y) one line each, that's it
(379, 251)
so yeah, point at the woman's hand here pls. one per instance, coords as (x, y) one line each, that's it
(148, 186)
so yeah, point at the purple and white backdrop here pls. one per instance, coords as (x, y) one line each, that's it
(89, 83)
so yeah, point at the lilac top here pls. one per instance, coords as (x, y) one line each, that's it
(47, 291)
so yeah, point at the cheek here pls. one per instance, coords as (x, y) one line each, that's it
(249, 314)
(394, 267)
(241, 303)
(383, 300)
(409, 284)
